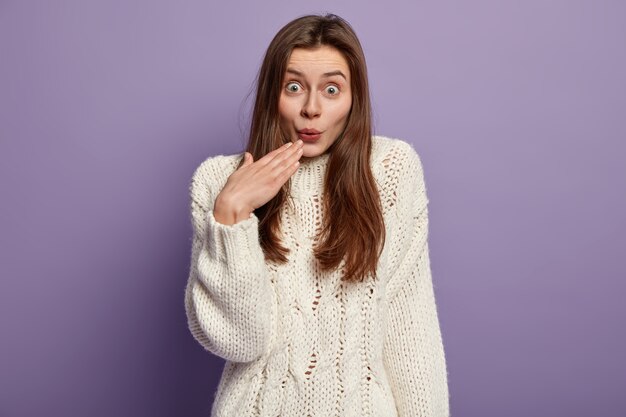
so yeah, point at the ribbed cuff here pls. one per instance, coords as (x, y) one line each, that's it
(235, 242)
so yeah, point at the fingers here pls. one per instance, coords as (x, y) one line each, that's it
(289, 168)
(247, 159)
(285, 164)
(270, 155)
(280, 164)
(265, 176)
(295, 155)
(286, 157)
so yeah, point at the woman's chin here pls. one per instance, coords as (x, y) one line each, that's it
(310, 150)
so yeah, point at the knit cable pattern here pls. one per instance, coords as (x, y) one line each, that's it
(299, 341)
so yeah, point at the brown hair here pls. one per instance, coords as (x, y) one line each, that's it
(353, 229)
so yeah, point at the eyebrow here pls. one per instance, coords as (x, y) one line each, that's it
(326, 74)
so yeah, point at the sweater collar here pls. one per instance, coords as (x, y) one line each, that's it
(309, 177)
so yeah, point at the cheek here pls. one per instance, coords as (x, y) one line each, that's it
(283, 108)
(286, 108)
(341, 110)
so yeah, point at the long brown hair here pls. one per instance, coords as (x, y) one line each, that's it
(353, 229)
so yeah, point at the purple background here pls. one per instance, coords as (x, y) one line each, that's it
(516, 108)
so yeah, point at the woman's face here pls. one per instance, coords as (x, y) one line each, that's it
(315, 95)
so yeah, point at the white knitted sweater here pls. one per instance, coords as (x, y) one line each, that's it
(299, 342)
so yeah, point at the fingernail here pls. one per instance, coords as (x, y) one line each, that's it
(289, 144)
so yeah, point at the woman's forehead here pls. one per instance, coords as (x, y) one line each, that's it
(324, 60)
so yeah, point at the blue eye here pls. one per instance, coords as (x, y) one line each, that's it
(332, 90)
(293, 87)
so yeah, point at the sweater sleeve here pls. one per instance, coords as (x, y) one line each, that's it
(413, 348)
(228, 293)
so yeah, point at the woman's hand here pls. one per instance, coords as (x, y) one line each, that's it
(255, 183)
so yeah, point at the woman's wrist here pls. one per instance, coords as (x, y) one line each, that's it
(228, 213)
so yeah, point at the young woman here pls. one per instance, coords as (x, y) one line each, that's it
(310, 270)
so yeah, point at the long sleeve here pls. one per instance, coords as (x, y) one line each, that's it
(413, 348)
(228, 297)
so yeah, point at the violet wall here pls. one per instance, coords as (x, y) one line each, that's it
(517, 109)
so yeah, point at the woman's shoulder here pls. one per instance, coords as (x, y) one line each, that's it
(398, 170)
(395, 155)
(218, 163)
(213, 172)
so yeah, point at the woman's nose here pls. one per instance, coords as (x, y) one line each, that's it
(311, 107)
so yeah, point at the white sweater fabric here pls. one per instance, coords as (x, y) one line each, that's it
(299, 342)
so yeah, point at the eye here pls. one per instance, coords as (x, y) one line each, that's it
(293, 87)
(333, 90)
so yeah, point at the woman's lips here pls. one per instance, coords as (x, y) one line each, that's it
(309, 135)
